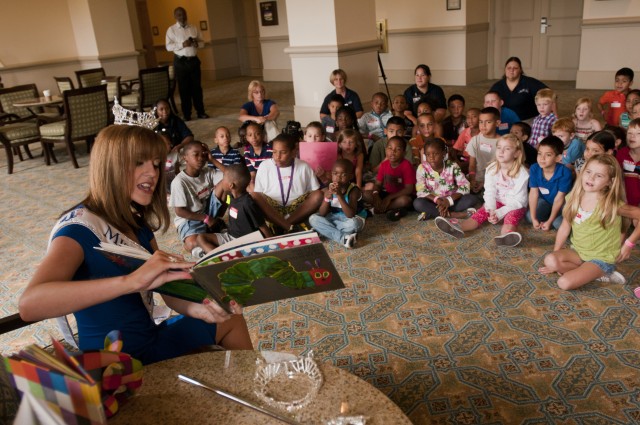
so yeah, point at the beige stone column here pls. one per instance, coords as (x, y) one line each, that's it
(325, 35)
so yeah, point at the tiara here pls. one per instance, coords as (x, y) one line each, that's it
(123, 116)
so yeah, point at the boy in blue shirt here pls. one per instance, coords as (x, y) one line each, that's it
(549, 182)
(573, 148)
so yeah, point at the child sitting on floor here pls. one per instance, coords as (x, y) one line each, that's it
(629, 159)
(341, 216)
(197, 202)
(523, 131)
(426, 124)
(482, 148)
(257, 152)
(505, 195)
(286, 188)
(372, 124)
(541, 127)
(223, 155)
(350, 148)
(598, 143)
(244, 215)
(398, 106)
(441, 187)
(172, 126)
(592, 216)
(453, 125)
(564, 129)
(336, 102)
(583, 119)
(459, 152)
(549, 182)
(314, 132)
(612, 102)
(395, 182)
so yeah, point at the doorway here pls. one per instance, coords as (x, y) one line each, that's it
(544, 34)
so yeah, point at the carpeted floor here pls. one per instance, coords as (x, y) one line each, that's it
(454, 332)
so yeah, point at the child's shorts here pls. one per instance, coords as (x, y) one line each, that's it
(191, 227)
(288, 209)
(607, 268)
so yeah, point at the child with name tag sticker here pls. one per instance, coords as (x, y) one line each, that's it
(549, 182)
(629, 159)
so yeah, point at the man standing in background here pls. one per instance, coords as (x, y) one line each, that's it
(182, 39)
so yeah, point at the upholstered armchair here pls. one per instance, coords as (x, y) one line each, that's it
(154, 85)
(87, 111)
(18, 126)
(90, 77)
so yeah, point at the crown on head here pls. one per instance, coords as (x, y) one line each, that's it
(123, 116)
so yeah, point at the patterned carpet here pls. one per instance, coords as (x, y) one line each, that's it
(454, 332)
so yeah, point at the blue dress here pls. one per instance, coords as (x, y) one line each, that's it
(142, 338)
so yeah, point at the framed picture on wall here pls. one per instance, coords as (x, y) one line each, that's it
(454, 4)
(269, 13)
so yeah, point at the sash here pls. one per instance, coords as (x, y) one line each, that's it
(108, 234)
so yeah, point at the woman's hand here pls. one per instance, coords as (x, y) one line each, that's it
(158, 270)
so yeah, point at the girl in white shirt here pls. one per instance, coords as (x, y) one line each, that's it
(505, 195)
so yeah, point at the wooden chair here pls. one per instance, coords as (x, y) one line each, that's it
(18, 126)
(90, 77)
(87, 113)
(154, 85)
(64, 84)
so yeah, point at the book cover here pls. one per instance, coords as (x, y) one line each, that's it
(252, 271)
(271, 276)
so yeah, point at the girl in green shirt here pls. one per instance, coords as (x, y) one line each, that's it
(593, 215)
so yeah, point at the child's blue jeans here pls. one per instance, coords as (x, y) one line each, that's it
(543, 211)
(336, 226)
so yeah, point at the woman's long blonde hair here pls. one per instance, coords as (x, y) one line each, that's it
(613, 195)
(114, 156)
(517, 162)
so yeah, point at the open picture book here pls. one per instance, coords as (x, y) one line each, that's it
(249, 270)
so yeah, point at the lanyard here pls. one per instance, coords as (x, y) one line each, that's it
(285, 200)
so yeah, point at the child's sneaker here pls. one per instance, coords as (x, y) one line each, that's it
(350, 240)
(615, 277)
(449, 228)
(508, 239)
(197, 252)
(397, 214)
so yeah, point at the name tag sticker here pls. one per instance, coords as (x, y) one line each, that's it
(543, 190)
(616, 104)
(233, 212)
(485, 147)
(628, 165)
(329, 129)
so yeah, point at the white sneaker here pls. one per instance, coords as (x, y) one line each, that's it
(508, 239)
(197, 252)
(615, 277)
(350, 240)
(449, 228)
